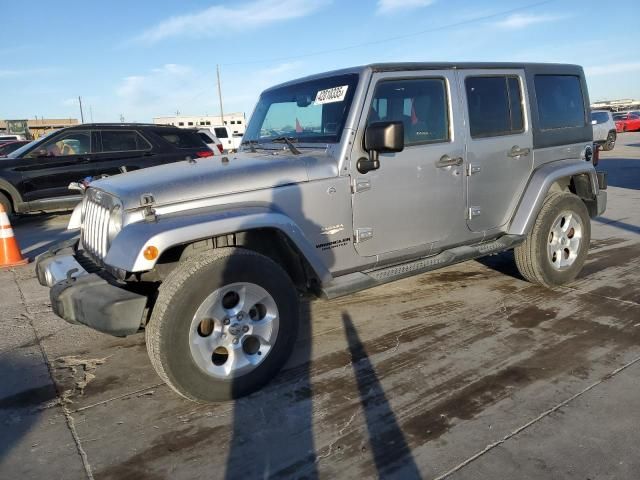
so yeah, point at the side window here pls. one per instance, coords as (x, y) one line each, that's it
(420, 104)
(123, 141)
(205, 138)
(560, 102)
(495, 106)
(72, 143)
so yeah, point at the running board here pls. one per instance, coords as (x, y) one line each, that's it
(354, 282)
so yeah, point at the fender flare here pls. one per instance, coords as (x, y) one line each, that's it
(127, 249)
(539, 184)
(14, 195)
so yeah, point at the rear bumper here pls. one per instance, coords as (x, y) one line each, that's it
(91, 299)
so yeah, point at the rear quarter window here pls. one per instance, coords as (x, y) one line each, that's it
(181, 138)
(560, 101)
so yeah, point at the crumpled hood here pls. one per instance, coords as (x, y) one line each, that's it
(209, 177)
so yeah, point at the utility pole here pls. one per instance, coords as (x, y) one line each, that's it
(220, 94)
(81, 113)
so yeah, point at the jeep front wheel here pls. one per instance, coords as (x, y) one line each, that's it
(223, 325)
(556, 247)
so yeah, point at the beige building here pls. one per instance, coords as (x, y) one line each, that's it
(40, 126)
(235, 121)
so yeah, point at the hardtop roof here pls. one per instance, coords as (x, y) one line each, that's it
(564, 68)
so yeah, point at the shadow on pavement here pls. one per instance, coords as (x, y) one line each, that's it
(391, 453)
(621, 172)
(618, 224)
(21, 399)
(37, 233)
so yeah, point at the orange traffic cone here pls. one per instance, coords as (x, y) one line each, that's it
(10, 255)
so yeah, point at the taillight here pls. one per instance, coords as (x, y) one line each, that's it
(204, 153)
(220, 147)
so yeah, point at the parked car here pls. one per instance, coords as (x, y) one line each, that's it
(230, 142)
(10, 137)
(211, 140)
(8, 147)
(346, 180)
(604, 129)
(35, 177)
(626, 122)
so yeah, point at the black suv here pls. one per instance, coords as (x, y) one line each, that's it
(36, 177)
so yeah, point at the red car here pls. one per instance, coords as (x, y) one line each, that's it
(626, 122)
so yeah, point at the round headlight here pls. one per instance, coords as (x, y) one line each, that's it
(115, 222)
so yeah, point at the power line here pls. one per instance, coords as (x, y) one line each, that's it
(398, 37)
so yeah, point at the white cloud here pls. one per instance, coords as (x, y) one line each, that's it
(220, 19)
(162, 91)
(388, 6)
(521, 20)
(6, 73)
(612, 68)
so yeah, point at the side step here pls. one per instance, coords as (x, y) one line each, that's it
(354, 282)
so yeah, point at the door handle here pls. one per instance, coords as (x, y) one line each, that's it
(516, 151)
(83, 159)
(447, 161)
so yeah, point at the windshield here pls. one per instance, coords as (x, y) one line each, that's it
(24, 149)
(313, 111)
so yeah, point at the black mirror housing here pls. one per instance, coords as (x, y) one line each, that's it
(380, 137)
(383, 137)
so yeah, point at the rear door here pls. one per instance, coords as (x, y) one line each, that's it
(499, 144)
(122, 149)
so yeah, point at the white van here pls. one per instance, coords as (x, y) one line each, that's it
(230, 141)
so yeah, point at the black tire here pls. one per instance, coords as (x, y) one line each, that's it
(6, 204)
(610, 143)
(167, 333)
(531, 257)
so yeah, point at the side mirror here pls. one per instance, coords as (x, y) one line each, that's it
(381, 137)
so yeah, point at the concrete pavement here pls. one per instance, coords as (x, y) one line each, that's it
(467, 372)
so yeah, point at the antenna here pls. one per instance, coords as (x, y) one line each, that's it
(81, 113)
(220, 94)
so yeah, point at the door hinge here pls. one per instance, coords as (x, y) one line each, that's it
(360, 185)
(474, 212)
(471, 169)
(364, 234)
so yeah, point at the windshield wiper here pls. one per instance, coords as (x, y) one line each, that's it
(252, 145)
(289, 142)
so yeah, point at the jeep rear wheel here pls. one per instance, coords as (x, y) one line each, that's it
(224, 324)
(556, 247)
(610, 142)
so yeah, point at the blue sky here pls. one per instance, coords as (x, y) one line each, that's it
(144, 58)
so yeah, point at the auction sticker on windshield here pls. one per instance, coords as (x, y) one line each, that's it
(331, 95)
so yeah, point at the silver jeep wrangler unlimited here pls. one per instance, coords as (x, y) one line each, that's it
(345, 180)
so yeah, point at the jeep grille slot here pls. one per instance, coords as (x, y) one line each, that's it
(95, 227)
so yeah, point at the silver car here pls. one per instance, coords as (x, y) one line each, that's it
(604, 129)
(345, 180)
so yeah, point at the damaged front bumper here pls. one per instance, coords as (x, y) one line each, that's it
(88, 296)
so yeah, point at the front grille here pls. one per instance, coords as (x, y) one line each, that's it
(95, 224)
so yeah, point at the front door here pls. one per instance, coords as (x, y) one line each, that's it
(48, 170)
(416, 198)
(499, 145)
